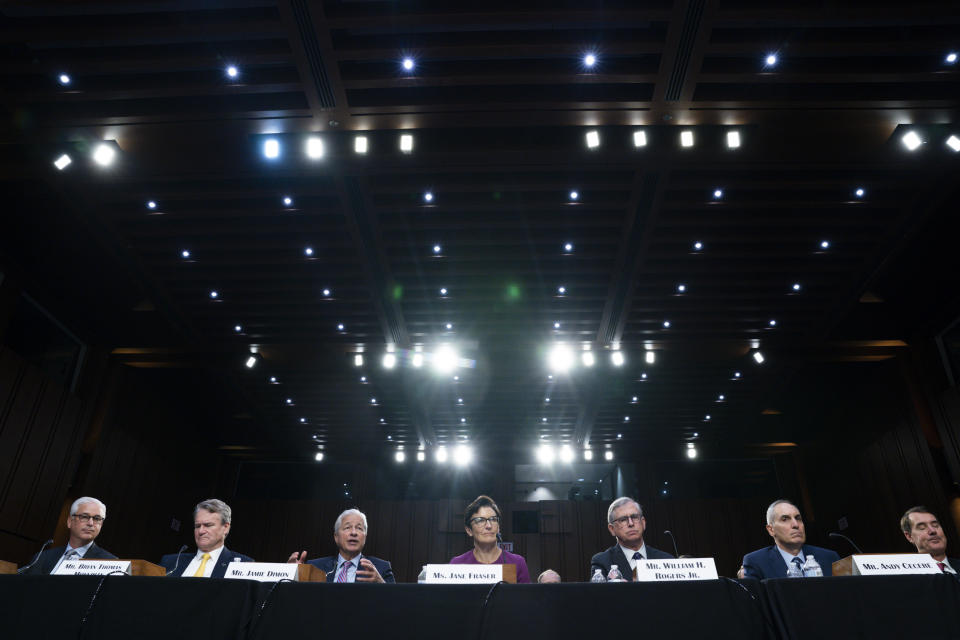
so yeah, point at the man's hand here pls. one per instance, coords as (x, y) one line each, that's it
(297, 557)
(366, 572)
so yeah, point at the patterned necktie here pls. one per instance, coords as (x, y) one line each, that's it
(943, 567)
(342, 576)
(202, 567)
(637, 556)
(796, 561)
(70, 554)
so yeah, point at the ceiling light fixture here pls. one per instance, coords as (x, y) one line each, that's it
(954, 143)
(104, 154)
(617, 358)
(911, 140)
(314, 148)
(560, 358)
(360, 144)
(733, 139)
(271, 148)
(62, 162)
(593, 139)
(406, 143)
(686, 138)
(639, 138)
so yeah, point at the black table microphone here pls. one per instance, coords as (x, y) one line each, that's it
(852, 544)
(676, 553)
(37, 558)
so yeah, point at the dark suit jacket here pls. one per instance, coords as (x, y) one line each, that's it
(226, 557)
(329, 565)
(768, 563)
(49, 558)
(614, 555)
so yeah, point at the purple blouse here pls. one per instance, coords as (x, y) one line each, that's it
(523, 575)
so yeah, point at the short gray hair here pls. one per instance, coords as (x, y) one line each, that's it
(619, 502)
(215, 506)
(84, 500)
(773, 506)
(350, 512)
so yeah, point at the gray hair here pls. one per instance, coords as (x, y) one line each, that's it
(84, 500)
(619, 502)
(215, 506)
(350, 512)
(773, 506)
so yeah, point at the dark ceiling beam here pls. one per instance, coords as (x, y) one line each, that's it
(310, 42)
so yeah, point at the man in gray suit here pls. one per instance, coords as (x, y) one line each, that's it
(626, 523)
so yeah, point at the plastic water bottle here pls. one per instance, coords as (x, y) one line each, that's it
(597, 576)
(422, 578)
(614, 575)
(794, 571)
(811, 568)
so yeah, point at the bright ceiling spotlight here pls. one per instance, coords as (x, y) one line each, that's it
(406, 143)
(951, 58)
(428, 196)
(408, 64)
(650, 357)
(568, 247)
(308, 251)
(417, 360)
(566, 454)
(608, 455)
(373, 401)
(859, 192)
(326, 293)
(62, 162)
(287, 201)
(441, 454)
(954, 143)
(733, 139)
(399, 456)
(639, 138)
(589, 60)
(666, 324)
(587, 454)
(717, 194)
(686, 138)
(151, 204)
(546, 454)
(185, 253)
(389, 360)
(443, 291)
(314, 148)
(773, 322)
(560, 359)
(588, 358)
(360, 144)
(758, 357)
(237, 328)
(319, 456)
(593, 139)
(556, 325)
(358, 360)
(681, 288)
(574, 195)
(251, 362)
(449, 326)
(462, 455)
(825, 244)
(697, 246)
(617, 358)
(64, 79)
(421, 456)
(770, 60)
(271, 148)
(340, 327)
(562, 290)
(796, 286)
(232, 71)
(445, 358)
(691, 453)
(104, 154)
(911, 140)
(214, 294)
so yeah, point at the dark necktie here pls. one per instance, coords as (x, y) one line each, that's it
(799, 564)
(943, 567)
(637, 556)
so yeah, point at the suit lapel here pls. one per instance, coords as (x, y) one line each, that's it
(776, 562)
(49, 558)
(221, 569)
(622, 563)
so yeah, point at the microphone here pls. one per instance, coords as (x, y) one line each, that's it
(852, 544)
(676, 553)
(37, 558)
(182, 549)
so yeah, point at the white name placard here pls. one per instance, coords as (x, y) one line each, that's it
(262, 571)
(91, 567)
(681, 569)
(464, 573)
(894, 564)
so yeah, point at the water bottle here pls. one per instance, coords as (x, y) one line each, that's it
(811, 568)
(794, 570)
(615, 575)
(597, 576)
(422, 578)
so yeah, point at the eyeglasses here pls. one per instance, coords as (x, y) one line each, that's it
(86, 517)
(623, 521)
(479, 522)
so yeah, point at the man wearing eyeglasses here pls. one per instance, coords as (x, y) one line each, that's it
(84, 523)
(626, 523)
(350, 565)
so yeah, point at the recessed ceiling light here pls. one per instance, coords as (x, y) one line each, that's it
(271, 148)
(697, 246)
(314, 148)
(560, 358)
(758, 357)
(588, 359)
(619, 436)
(406, 143)
(319, 456)
(721, 397)
(650, 357)
(441, 454)
(389, 361)
(696, 434)
(273, 379)
(859, 192)
(643, 376)
(736, 374)
(587, 454)
(360, 144)
(373, 401)
(428, 196)
(562, 290)
(358, 360)
(796, 286)
(706, 418)
(417, 360)
(556, 325)
(326, 293)
(289, 401)
(733, 139)
(340, 327)
(639, 138)
(104, 154)
(251, 362)
(824, 244)
(238, 328)
(589, 60)
(437, 249)
(911, 140)
(951, 58)
(717, 194)
(568, 247)
(681, 288)
(608, 455)
(287, 201)
(547, 400)
(151, 204)
(771, 60)
(954, 143)
(185, 253)
(232, 71)
(617, 358)
(666, 324)
(214, 295)
(546, 454)
(773, 323)
(443, 291)
(626, 418)
(399, 456)
(462, 455)
(459, 400)
(408, 64)
(593, 139)
(308, 251)
(686, 138)
(634, 399)
(691, 453)
(303, 421)
(449, 326)
(64, 79)
(62, 162)
(574, 195)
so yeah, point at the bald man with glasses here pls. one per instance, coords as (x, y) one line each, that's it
(85, 523)
(626, 523)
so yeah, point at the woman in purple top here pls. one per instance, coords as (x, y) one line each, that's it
(482, 523)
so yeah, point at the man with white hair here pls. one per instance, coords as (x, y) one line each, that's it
(350, 565)
(211, 524)
(84, 523)
(626, 523)
(785, 526)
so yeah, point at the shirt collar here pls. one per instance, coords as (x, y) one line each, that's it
(629, 553)
(81, 551)
(214, 555)
(787, 558)
(355, 561)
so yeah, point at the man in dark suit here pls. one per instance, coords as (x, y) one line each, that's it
(785, 526)
(211, 524)
(626, 523)
(350, 565)
(85, 523)
(922, 529)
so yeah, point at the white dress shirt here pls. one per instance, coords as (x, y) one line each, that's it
(629, 553)
(197, 559)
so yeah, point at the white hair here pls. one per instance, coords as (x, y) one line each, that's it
(619, 502)
(773, 506)
(350, 512)
(79, 501)
(219, 507)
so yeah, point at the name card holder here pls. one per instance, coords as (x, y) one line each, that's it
(262, 571)
(894, 564)
(92, 567)
(470, 573)
(7, 567)
(676, 570)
